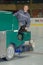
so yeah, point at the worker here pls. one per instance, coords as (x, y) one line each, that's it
(23, 16)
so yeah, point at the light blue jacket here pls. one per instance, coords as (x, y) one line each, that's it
(23, 17)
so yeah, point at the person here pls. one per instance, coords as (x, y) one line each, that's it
(23, 16)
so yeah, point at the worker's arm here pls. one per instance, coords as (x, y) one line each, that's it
(17, 13)
(28, 21)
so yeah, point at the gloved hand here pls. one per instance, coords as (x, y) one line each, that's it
(26, 28)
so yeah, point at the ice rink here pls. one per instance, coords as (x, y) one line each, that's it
(37, 36)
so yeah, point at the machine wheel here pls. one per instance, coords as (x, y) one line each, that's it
(10, 52)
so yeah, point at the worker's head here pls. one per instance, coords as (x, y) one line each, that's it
(26, 8)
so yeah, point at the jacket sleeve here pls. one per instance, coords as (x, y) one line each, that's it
(28, 21)
(16, 14)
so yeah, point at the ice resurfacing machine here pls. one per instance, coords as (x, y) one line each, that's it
(11, 37)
